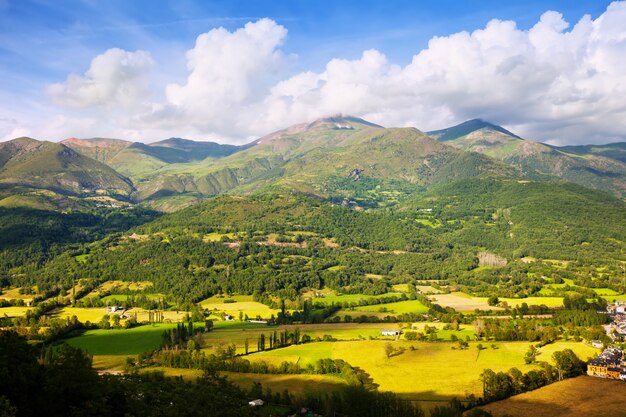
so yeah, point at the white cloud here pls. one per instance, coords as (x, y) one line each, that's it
(114, 78)
(552, 82)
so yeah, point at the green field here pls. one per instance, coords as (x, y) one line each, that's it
(400, 307)
(121, 342)
(225, 334)
(350, 298)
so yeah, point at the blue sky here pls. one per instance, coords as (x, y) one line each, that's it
(43, 42)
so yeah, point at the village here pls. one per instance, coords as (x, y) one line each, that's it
(611, 362)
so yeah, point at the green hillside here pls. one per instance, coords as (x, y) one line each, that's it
(338, 157)
(100, 149)
(28, 163)
(615, 151)
(580, 165)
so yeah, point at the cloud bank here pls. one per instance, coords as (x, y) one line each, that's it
(553, 82)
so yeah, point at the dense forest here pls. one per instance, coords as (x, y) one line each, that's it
(281, 244)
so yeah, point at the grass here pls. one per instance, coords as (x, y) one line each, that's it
(605, 291)
(14, 294)
(244, 304)
(584, 396)
(13, 311)
(432, 371)
(121, 342)
(234, 334)
(400, 307)
(297, 385)
(123, 297)
(92, 315)
(465, 302)
(350, 298)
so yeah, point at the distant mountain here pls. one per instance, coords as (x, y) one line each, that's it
(335, 157)
(100, 149)
(465, 128)
(588, 168)
(615, 151)
(136, 160)
(56, 170)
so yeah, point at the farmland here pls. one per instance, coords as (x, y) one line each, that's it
(120, 342)
(583, 396)
(467, 303)
(429, 371)
(242, 303)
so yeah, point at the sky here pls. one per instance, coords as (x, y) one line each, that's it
(233, 71)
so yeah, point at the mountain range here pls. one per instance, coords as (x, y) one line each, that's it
(343, 159)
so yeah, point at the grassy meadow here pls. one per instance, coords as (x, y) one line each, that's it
(422, 370)
(13, 311)
(466, 303)
(121, 342)
(243, 303)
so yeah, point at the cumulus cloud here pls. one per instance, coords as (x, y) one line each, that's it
(114, 78)
(553, 82)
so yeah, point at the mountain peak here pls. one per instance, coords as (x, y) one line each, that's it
(341, 122)
(466, 128)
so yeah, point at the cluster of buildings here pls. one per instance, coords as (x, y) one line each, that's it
(610, 364)
(617, 328)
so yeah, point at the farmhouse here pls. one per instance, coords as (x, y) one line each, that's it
(113, 309)
(597, 344)
(390, 332)
(256, 403)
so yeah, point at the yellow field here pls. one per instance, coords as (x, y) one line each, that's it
(432, 371)
(296, 384)
(94, 315)
(116, 285)
(14, 294)
(109, 362)
(464, 302)
(143, 315)
(584, 396)
(13, 311)
(244, 303)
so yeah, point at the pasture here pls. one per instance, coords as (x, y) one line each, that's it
(237, 335)
(467, 303)
(121, 342)
(243, 303)
(14, 294)
(13, 311)
(297, 385)
(350, 298)
(432, 371)
(584, 396)
(95, 314)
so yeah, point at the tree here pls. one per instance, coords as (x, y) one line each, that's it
(531, 355)
(567, 364)
(208, 325)
(389, 349)
(493, 301)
